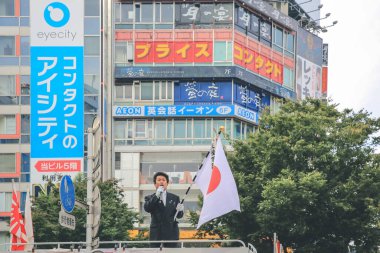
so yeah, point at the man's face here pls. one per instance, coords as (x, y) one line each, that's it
(161, 180)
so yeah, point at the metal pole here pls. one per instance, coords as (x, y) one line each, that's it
(90, 136)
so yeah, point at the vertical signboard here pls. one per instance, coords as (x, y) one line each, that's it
(56, 33)
(309, 79)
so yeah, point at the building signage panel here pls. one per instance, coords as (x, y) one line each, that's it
(250, 98)
(246, 114)
(193, 92)
(190, 13)
(258, 63)
(309, 46)
(325, 54)
(186, 111)
(204, 72)
(56, 88)
(273, 13)
(177, 51)
(174, 111)
(309, 79)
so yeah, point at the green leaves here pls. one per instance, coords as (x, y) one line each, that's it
(310, 175)
(116, 217)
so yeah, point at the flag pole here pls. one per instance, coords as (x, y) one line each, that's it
(221, 129)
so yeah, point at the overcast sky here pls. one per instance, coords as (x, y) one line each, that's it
(354, 53)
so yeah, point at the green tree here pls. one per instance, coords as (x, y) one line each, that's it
(310, 175)
(116, 217)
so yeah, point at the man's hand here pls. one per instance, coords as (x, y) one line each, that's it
(159, 191)
(180, 207)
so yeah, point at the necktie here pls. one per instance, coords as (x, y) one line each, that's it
(164, 198)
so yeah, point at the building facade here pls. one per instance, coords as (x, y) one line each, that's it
(163, 76)
(184, 69)
(15, 96)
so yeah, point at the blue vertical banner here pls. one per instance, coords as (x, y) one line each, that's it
(57, 111)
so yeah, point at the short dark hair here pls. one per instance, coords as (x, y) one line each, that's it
(160, 174)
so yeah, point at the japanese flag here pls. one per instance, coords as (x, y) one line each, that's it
(220, 195)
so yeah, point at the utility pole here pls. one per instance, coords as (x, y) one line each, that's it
(93, 177)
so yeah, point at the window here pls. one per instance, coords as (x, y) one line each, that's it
(187, 13)
(288, 78)
(123, 52)
(266, 33)
(7, 124)
(6, 198)
(25, 45)
(91, 7)
(7, 8)
(24, 8)
(140, 129)
(145, 90)
(123, 12)
(7, 45)
(25, 167)
(92, 45)
(278, 39)
(7, 85)
(8, 163)
(25, 89)
(117, 160)
(254, 27)
(91, 104)
(289, 44)
(164, 13)
(25, 128)
(163, 90)
(177, 131)
(91, 84)
(242, 17)
(222, 51)
(8, 90)
(205, 17)
(144, 13)
(179, 128)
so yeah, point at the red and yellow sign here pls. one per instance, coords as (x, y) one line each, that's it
(178, 52)
(258, 63)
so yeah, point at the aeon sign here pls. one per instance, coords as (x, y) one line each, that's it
(56, 14)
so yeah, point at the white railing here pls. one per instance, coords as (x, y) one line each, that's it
(185, 246)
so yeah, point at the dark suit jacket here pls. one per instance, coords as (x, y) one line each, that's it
(162, 225)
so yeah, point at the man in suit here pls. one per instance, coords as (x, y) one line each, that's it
(163, 206)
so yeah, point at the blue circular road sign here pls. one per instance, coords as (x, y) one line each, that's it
(67, 194)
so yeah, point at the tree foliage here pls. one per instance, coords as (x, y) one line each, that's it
(310, 175)
(116, 217)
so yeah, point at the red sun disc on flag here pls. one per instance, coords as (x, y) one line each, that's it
(215, 179)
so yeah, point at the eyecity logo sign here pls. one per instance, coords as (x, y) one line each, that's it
(56, 14)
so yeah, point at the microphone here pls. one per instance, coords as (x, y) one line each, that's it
(161, 190)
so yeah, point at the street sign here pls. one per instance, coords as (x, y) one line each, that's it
(97, 210)
(66, 220)
(67, 194)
